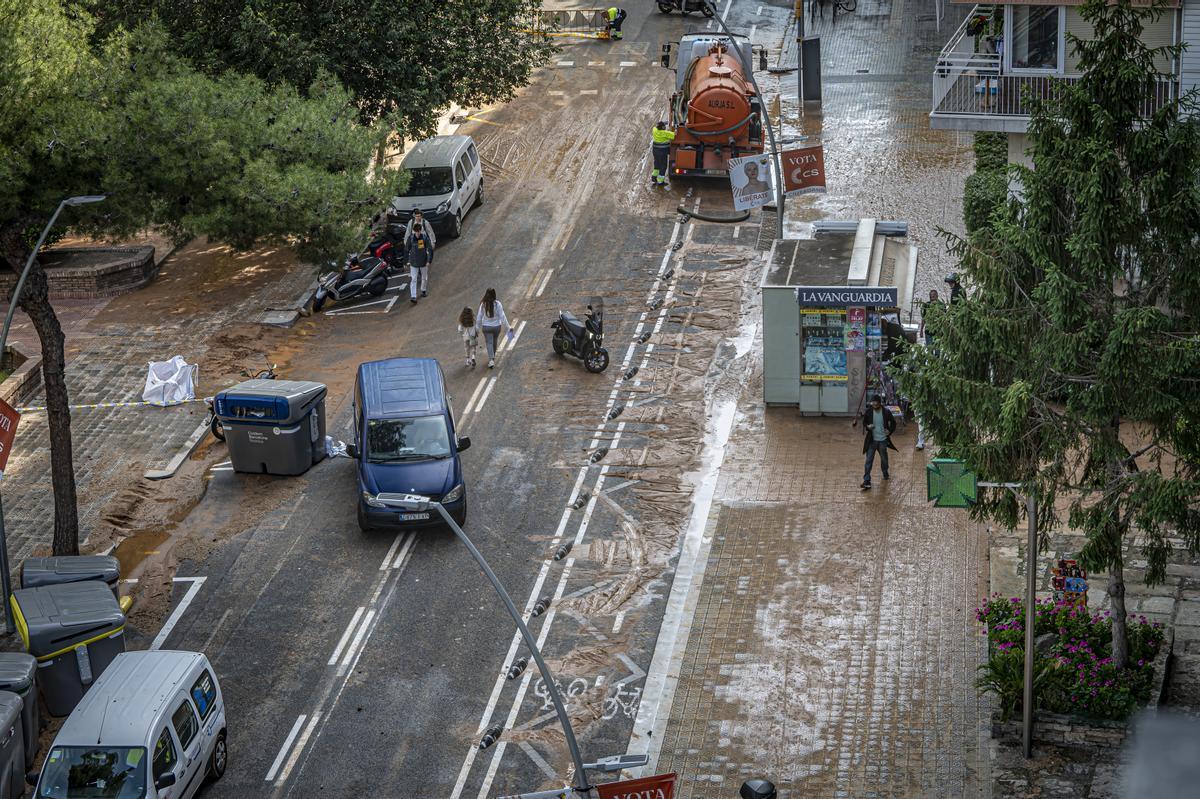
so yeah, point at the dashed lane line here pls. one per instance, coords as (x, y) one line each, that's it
(493, 701)
(341, 644)
(545, 280)
(287, 745)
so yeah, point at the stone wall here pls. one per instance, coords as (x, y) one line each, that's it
(25, 381)
(1058, 729)
(92, 272)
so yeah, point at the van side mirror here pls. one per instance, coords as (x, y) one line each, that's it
(352, 451)
(464, 443)
(165, 781)
(31, 777)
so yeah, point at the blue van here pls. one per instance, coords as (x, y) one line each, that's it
(405, 443)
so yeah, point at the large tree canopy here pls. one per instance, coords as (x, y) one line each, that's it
(1074, 364)
(126, 116)
(404, 61)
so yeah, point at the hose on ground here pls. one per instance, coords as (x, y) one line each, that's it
(741, 216)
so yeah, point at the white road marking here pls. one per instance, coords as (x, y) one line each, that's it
(404, 552)
(629, 63)
(475, 394)
(618, 621)
(589, 91)
(533, 283)
(390, 304)
(753, 28)
(178, 612)
(759, 10)
(221, 469)
(555, 93)
(387, 559)
(486, 394)
(545, 280)
(595, 63)
(493, 702)
(337, 652)
(510, 344)
(300, 744)
(356, 643)
(287, 744)
(737, 230)
(725, 13)
(566, 63)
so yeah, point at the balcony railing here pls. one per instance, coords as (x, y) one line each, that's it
(970, 84)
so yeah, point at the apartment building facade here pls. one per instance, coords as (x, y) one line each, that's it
(1004, 53)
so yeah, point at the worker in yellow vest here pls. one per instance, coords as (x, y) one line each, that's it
(613, 18)
(661, 138)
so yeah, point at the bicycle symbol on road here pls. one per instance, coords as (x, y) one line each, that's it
(619, 700)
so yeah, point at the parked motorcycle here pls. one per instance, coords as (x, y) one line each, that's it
(214, 422)
(359, 276)
(685, 7)
(387, 244)
(583, 340)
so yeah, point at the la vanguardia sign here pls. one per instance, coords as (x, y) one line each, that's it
(846, 296)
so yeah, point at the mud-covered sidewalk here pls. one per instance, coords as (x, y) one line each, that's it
(832, 646)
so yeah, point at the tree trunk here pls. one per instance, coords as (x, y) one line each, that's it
(1116, 597)
(35, 301)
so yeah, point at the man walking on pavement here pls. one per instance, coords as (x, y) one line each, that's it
(661, 138)
(419, 222)
(418, 254)
(879, 424)
(613, 18)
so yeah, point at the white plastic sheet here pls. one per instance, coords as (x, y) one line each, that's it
(334, 448)
(170, 382)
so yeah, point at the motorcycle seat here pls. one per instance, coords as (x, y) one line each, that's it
(574, 326)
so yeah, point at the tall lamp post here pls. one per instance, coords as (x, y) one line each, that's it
(5, 581)
(419, 503)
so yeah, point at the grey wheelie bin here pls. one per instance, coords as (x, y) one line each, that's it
(12, 748)
(74, 630)
(36, 572)
(273, 426)
(18, 674)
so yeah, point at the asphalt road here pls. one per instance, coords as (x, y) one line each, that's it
(363, 664)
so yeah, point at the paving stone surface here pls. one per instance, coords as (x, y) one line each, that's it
(834, 646)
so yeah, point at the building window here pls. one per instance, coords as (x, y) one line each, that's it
(1035, 37)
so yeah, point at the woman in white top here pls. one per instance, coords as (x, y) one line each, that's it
(489, 320)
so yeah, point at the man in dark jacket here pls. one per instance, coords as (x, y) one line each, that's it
(878, 424)
(418, 253)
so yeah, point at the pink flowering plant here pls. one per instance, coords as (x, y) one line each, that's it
(1076, 673)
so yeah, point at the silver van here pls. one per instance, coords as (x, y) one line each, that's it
(151, 727)
(445, 182)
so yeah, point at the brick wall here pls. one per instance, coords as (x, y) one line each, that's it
(92, 272)
(25, 381)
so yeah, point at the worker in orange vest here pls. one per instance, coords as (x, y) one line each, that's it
(660, 147)
(613, 18)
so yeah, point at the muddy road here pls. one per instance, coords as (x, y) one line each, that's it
(352, 661)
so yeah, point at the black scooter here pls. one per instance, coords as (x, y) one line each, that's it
(583, 340)
(685, 7)
(360, 276)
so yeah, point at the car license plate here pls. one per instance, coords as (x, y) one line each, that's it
(413, 517)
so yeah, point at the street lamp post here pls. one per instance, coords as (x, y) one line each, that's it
(1031, 546)
(419, 503)
(5, 580)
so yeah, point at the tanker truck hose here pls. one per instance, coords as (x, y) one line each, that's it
(739, 217)
(699, 133)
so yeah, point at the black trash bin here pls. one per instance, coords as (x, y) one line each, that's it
(273, 426)
(74, 630)
(36, 572)
(18, 674)
(12, 747)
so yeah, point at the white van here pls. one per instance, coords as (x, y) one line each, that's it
(445, 182)
(152, 726)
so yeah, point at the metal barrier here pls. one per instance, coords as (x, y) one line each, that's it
(587, 23)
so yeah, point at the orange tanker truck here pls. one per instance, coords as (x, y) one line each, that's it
(716, 112)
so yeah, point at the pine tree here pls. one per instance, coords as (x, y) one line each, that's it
(1073, 365)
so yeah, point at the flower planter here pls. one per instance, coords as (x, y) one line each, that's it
(1062, 729)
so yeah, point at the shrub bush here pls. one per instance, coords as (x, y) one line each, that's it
(991, 152)
(983, 193)
(1077, 675)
